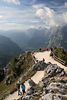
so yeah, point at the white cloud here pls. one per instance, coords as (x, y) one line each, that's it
(47, 15)
(1, 16)
(38, 6)
(64, 15)
(17, 2)
(50, 17)
(37, 16)
(13, 26)
(65, 4)
(17, 19)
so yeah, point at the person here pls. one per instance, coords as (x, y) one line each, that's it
(23, 88)
(43, 60)
(18, 87)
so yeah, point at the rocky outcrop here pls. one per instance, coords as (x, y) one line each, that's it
(52, 87)
(54, 83)
(52, 70)
(54, 91)
(41, 65)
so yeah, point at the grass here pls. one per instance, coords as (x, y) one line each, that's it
(60, 53)
(64, 98)
(25, 78)
(37, 98)
(5, 90)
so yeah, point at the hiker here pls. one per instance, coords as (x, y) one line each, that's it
(18, 87)
(43, 60)
(23, 88)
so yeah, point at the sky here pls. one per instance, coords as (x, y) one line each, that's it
(26, 14)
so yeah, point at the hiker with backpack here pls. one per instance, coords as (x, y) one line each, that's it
(23, 88)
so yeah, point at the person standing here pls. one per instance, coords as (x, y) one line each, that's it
(23, 88)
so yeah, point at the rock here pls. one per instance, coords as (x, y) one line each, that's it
(31, 83)
(53, 87)
(36, 94)
(59, 70)
(62, 73)
(40, 66)
(57, 97)
(45, 81)
(62, 91)
(50, 96)
(41, 84)
(46, 97)
(52, 70)
(30, 91)
(26, 98)
(63, 80)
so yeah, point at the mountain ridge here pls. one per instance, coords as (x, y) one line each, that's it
(59, 37)
(8, 50)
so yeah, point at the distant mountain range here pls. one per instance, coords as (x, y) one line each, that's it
(30, 39)
(8, 50)
(36, 38)
(13, 42)
(58, 37)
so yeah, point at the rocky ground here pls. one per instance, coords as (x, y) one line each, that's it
(52, 87)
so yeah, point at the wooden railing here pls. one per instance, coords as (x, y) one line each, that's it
(59, 60)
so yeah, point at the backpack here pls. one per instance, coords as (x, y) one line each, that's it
(23, 87)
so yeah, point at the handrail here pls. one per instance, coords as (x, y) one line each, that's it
(58, 59)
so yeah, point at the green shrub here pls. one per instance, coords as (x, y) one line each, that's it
(60, 53)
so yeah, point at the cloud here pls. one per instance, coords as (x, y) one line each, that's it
(47, 15)
(65, 4)
(17, 19)
(1, 16)
(31, 16)
(17, 2)
(13, 26)
(51, 17)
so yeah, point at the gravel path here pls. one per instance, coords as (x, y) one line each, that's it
(46, 55)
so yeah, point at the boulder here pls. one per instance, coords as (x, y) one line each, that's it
(31, 83)
(52, 70)
(40, 66)
(30, 91)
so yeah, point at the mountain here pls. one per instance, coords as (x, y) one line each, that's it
(35, 38)
(39, 38)
(8, 49)
(19, 37)
(29, 39)
(64, 37)
(58, 37)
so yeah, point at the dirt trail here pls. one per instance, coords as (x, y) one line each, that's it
(46, 55)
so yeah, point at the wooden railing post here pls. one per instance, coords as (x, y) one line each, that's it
(58, 59)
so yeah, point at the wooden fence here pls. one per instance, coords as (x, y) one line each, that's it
(59, 60)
